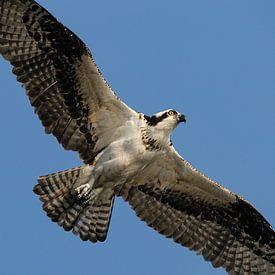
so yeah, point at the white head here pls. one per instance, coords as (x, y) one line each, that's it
(163, 123)
(167, 119)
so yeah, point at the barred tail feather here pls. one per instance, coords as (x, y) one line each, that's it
(89, 221)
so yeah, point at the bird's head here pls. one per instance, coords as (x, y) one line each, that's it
(165, 121)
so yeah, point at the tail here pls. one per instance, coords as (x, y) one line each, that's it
(89, 221)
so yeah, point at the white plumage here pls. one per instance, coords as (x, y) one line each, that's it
(125, 153)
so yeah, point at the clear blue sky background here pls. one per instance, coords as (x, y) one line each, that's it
(213, 60)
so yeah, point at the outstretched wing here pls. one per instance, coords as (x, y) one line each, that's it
(196, 212)
(63, 84)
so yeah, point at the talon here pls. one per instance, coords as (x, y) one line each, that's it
(84, 193)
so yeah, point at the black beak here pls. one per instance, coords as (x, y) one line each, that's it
(182, 118)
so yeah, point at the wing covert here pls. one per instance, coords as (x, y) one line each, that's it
(67, 90)
(203, 216)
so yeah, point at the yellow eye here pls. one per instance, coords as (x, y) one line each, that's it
(171, 113)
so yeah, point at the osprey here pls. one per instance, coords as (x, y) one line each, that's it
(125, 153)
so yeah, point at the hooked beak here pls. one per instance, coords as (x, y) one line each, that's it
(182, 118)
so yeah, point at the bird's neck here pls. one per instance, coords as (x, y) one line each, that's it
(155, 139)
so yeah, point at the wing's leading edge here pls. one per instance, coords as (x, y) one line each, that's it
(67, 90)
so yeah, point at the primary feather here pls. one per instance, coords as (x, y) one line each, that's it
(126, 153)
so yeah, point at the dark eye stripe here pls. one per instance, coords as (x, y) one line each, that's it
(153, 120)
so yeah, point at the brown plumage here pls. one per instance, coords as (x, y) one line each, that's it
(89, 221)
(127, 154)
(225, 246)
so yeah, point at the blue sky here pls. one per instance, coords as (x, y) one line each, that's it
(212, 60)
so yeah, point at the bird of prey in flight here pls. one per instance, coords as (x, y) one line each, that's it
(125, 153)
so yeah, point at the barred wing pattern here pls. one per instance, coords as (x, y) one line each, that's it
(200, 214)
(76, 105)
(61, 79)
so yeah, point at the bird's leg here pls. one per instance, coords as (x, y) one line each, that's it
(94, 178)
(84, 193)
(84, 186)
